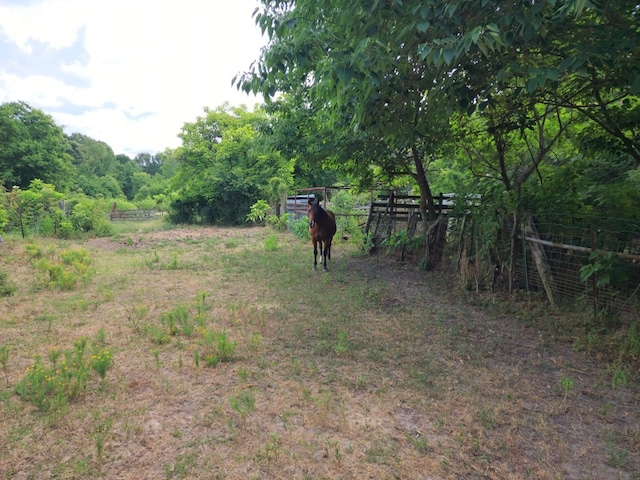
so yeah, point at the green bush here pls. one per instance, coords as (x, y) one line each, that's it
(89, 216)
(258, 212)
(278, 222)
(300, 228)
(66, 230)
(84, 215)
(4, 218)
(271, 243)
(47, 227)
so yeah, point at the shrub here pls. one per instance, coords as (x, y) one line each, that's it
(258, 211)
(89, 216)
(66, 230)
(278, 222)
(271, 243)
(300, 228)
(47, 227)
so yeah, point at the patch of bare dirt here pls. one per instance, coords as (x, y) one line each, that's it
(176, 234)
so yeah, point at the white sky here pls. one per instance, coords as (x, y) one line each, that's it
(129, 73)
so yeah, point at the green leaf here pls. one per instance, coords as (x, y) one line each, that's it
(451, 9)
(586, 271)
(578, 63)
(566, 63)
(436, 56)
(553, 74)
(532, 85)
(482, 45)
(423, 26)
(424, 51)
(475, 34)
(448, 54)
(375, 78)
(528, 32)
(579, 6)
(509, 37)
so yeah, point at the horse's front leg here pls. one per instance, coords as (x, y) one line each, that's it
(315, 255)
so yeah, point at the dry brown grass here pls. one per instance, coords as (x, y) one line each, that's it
(373, 370)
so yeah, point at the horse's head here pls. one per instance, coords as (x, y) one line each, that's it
(312, 211)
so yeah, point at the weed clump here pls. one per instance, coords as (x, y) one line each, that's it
(52, 387)
(7, 287)
(62, 269)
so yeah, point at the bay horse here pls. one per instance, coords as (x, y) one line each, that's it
(322, 227)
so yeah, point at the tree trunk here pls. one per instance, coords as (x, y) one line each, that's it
(427, 205)
(433, 236)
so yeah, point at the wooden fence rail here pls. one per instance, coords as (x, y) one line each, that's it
(115, 215)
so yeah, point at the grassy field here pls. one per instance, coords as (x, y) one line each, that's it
(211, 353)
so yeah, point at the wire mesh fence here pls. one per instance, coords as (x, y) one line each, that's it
(583, 258)
(592, 259)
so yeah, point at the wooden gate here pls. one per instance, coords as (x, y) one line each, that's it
(393, 213)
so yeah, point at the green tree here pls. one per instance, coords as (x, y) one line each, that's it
(32, 146)
(224, 167)
(92, 157)
(125, 173)
(148, 163)
(405, 64)
(104, 186)
(156, 189)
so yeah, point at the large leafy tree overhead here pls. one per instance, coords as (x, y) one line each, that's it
(32, 147)
(372, 100)
(399, 68)
(224, 168)
(322, 154)
(593, 67)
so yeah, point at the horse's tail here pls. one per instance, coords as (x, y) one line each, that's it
(332, 218)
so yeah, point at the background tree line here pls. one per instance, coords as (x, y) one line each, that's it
(533, 105)
(222, 168)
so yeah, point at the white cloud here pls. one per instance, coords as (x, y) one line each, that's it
(158, 62)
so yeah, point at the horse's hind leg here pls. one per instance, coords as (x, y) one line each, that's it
(325, 253)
